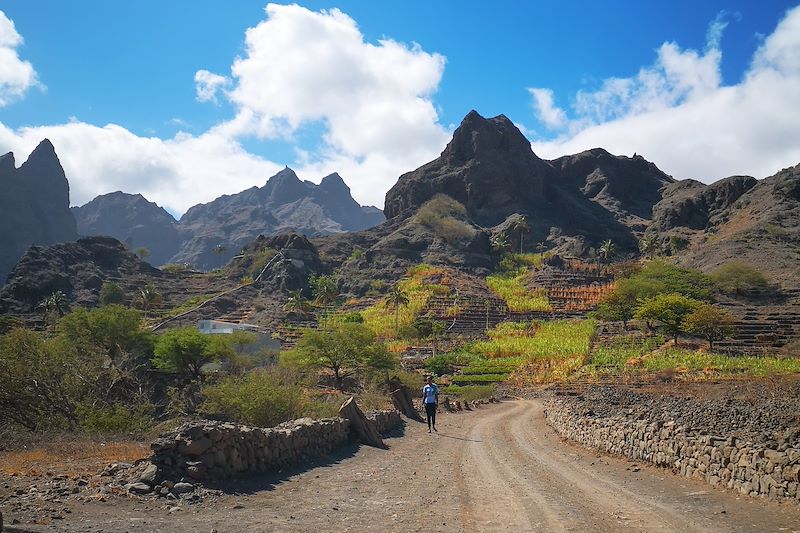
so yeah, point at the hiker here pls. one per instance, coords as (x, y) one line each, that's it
(430, 398)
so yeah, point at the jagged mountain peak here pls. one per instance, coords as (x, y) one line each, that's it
(478, 137)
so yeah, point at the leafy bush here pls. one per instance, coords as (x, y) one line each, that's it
(186, 351)
(353, 317)
(111, 293)
(260, 398)
(175, 268)
(440, 364)
(116, 419)
(739, 278)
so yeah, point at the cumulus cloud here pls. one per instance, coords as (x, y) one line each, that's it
(374, 100)
(176, 173)
(207, 84)
(551, 115)
(16, 75)
(299, 67)
(678, 113)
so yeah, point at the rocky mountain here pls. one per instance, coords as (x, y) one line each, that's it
(569, 205)
(284, 204)
(134, 221)
(34, 204)
(735, 219)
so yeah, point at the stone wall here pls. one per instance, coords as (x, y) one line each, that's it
(770, 468)
(209, 450)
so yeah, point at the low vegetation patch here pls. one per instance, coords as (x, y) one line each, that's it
(446, 218)
(510, 286)
(469, 392)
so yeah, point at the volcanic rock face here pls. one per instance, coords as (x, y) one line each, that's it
(488, 166)
(34, 205)
(78, 269)
(134, 221)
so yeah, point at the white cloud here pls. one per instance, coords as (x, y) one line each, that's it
(16, 75)
(175, 173)
(678, 114)
(374, 100)
(551, 115)
(300, 67)
(208, 84)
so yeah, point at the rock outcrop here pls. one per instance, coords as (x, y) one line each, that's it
(133, 220)
(34, 205)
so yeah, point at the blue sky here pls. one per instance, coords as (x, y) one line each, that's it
(118, 88)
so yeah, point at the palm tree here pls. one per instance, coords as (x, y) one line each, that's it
(648, 245)
(500, 243)
(296, 304)
(219, 250)
(326, 290)
(54, 304)
(521, 225)
(607, 251)
(148, 297)
(395, 298)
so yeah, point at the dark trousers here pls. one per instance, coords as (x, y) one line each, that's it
(430, 412)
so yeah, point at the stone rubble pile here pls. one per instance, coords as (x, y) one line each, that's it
(767, 467)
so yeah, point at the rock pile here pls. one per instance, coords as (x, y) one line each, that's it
(767, 467)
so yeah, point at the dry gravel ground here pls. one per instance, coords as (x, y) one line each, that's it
(499, 468)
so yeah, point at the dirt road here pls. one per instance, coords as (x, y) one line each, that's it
(496, 469)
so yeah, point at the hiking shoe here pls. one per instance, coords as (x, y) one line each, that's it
(436, 430)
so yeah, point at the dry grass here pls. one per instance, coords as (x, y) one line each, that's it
(71, 458)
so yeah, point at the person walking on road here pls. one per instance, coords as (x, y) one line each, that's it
(430, 399)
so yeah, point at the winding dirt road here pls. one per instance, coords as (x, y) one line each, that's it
(500, 468)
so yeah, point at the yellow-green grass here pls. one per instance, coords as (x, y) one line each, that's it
(688, 361)
(554, 339)
(380, 318)
(492, 366)
(519, 299)
(469, 379)
(469, 392)
(622, 352)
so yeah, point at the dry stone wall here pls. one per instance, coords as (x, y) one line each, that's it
(209, 450)
(749, 467)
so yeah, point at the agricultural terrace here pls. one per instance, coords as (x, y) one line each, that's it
(635, 355)
(380, 318)
(510, 283)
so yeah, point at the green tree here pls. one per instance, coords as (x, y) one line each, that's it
(114, 332)
(111, 293)
(142, 252)
(607, 251)
(521, 226)
(711, 323)
(53, 307)
(671, 278)
(437, 332)
(296, 304)
(648, 246)
(739, 278)
(148, 298)
(325, 289)
(500, 243)
(342, 349)
(186, 350)
(670, 310)
(396, 298)
(620, 304)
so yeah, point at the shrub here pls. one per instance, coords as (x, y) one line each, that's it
(175, 268)
(259, 398)
(739, 278)
(111, 293)
(186, 351)
(116, 419)
(441, 364)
